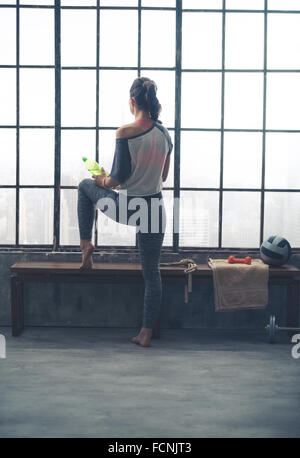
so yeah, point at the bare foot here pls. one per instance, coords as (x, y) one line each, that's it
(143, 338)
(87, 249)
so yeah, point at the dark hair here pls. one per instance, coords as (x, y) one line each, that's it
(143, 90)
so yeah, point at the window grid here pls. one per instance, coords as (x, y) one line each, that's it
(177, 128)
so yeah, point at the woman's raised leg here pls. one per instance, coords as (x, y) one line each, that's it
(89, 194)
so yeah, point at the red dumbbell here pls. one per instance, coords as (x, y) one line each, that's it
(234, 260)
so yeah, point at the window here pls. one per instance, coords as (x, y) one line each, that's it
(228, 75)
(239, 126)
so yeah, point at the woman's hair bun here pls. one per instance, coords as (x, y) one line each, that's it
(150, 83)
(143, 90)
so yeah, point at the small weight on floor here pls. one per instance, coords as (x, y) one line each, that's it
(272, 328)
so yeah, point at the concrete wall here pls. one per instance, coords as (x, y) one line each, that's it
(121, 306)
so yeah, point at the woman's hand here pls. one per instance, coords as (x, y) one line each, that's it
(100, 179)
(105, 181)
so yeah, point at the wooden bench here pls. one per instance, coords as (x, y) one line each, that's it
(21, 272)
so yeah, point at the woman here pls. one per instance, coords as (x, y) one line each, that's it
(141, 163)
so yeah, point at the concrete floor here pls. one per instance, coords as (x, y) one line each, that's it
(76, 382)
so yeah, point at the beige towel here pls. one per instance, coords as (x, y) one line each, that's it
(239, 286)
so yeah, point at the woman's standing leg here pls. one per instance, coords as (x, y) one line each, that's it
(89, 194)
(150, 251)
(150, 245)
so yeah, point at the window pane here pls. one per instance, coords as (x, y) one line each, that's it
(8, 156)
(243, 100)
(7, 96)
(78, 98)
(119, 2)
(244, 43)
(37, 2)
(282, 216)
(36, 216)
(245, 4)
(168, 201)
(107, 143)
(74, 145)
(160, 3)
(283, 47)
(36, 36)
(282, 160)
(165, 81)
(241, 219)
(158, 49)
(283, 101)
(212, 4)
(8, 36)
(242, 159)
(205, 30)
(114, 97)
(78, 2)
(201, 100)
(200, 159)
(122, 53)
(112, 233)
(78, 37)
(283, 5)
(69, 232)
(169, 183)
(37, 156)
(8, 2)
(36, 96)
(199, 214)
(7, 216)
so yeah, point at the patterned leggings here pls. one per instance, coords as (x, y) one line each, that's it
(149, 243)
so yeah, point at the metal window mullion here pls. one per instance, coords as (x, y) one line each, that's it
(263, 168)
(177, 135)
(139, 64)
(245, 11)
(183, 188)
(222, 129)
(57, 132)
(139, 35)
(186, 70)
(17, 222)
(190, 129)
(97, 107)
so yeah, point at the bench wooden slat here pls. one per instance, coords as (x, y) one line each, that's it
(49, 267)
(73, 268)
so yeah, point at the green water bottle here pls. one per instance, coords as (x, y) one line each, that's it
(93, 166)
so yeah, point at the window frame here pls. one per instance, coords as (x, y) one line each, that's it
(177, 129)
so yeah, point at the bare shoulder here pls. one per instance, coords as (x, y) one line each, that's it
(128, 130)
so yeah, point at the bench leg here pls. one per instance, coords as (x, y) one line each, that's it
(17, 306)
(292, 314)
(156, 328)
